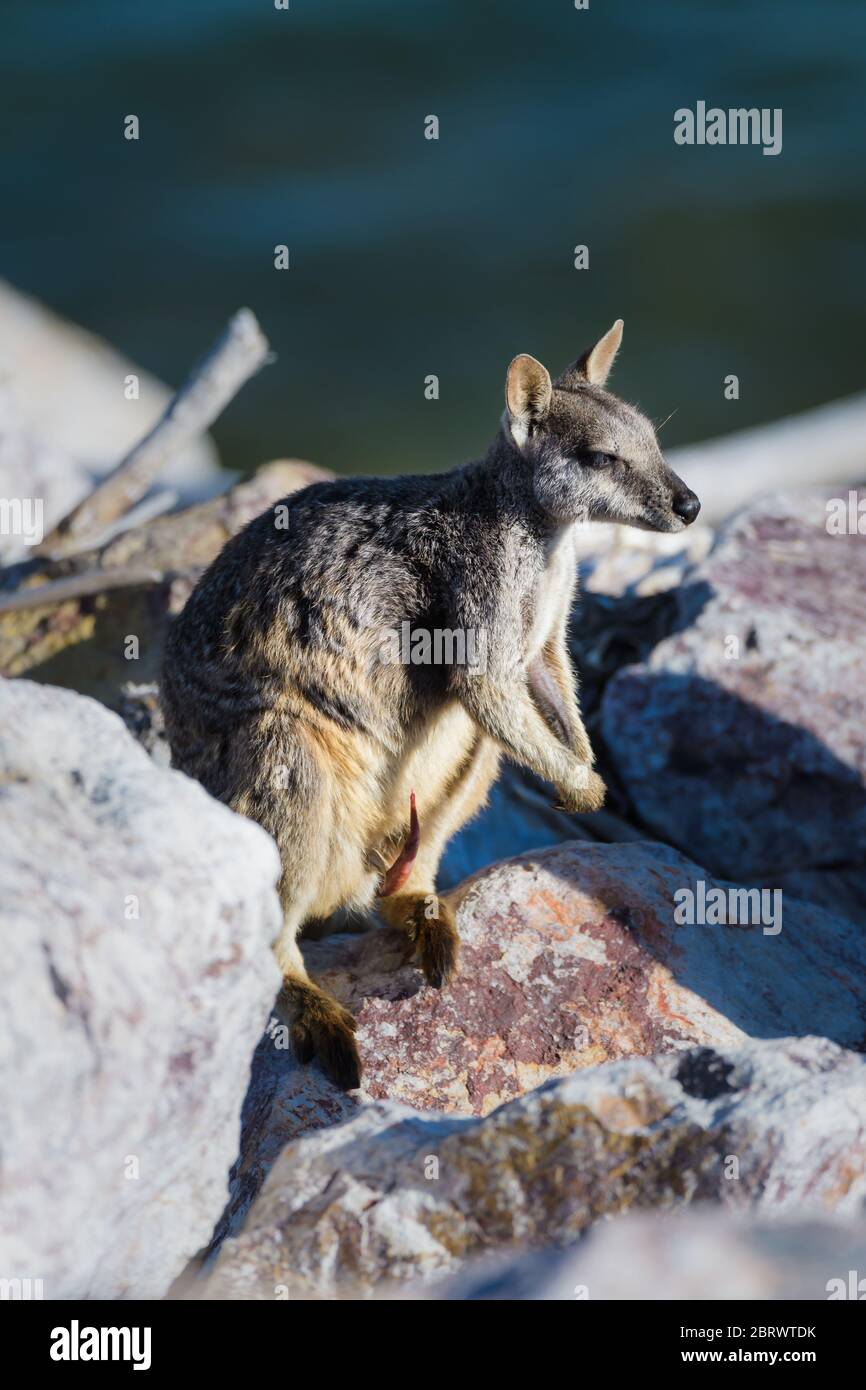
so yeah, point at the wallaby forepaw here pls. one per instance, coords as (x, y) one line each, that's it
(585, 795)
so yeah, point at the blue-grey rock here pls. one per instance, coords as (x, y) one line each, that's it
(742, 739)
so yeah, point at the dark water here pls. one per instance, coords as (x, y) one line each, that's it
(410, 256)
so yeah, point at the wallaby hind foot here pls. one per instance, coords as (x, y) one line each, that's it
(322, 1029)
(430, 931)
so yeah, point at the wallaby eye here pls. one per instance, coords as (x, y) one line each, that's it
(594, 458)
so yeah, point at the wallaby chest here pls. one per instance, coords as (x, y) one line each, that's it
(552, 593)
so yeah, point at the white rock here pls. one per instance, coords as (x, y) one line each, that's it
(125, 1040)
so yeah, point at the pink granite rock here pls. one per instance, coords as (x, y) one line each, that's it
(569, 958)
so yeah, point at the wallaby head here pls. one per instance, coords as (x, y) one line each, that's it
(593, 456)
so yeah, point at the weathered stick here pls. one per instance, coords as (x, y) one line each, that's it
(76, 586)
(238, 354)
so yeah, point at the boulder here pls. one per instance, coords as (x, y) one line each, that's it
(283, 1102)
(137, 915)
(741, 738)
(698, 1253)
(773, 1127)
(569, 958)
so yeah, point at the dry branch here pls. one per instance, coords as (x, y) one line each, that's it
(238, 354)
(75, 586)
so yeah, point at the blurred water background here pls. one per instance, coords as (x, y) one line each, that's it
(411, 257)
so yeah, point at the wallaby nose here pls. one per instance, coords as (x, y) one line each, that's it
(687, 506)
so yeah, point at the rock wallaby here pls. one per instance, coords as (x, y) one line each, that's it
(350, 669)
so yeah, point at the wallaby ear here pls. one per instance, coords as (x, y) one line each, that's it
(595, 364)
(527, 394)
